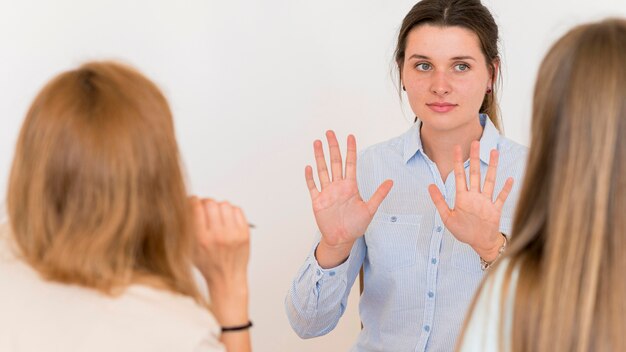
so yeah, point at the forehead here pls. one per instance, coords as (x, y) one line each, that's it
(442, 42)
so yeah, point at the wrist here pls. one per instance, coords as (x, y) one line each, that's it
(229, 300)
(329, 256)
(237, 328)
(493, 255)
(488, 251)
(230, 310)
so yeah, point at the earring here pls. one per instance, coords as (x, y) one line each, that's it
(404, 88)
(489, 90)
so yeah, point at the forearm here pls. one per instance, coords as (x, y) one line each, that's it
(314, 309)
(331, 256)
(237, 341)
(229, 303)
(229, 299)
(317, 300)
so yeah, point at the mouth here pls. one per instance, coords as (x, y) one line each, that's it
(441, 106)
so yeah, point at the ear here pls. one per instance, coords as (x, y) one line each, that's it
(495, 69)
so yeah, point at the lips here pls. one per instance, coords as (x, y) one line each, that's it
(441, 106)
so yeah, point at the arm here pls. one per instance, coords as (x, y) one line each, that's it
(318, 295)
(222, 252)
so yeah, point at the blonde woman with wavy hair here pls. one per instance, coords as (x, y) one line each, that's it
(561, 286)
(102, 237)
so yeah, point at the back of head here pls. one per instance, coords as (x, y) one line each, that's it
(569, 231)
(96, 195)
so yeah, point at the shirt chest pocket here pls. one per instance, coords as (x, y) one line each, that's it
(392, 240)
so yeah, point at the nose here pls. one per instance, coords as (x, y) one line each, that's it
(440, 84)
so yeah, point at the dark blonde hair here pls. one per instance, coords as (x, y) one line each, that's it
(96, 196)
(569, 240)
(468, 14)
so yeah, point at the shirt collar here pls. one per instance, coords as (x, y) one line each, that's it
(488, 140)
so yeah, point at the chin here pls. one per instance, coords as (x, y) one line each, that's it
(445, 122)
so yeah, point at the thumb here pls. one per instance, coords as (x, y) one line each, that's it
(378, 196)
(439, 201)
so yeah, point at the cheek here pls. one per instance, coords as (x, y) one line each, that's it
(472, 91)
(417, 95)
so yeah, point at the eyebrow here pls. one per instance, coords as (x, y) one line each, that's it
(456, 58)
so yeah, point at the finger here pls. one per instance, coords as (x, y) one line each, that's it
(199, 218)
(383, 190)
(459, 170)
(212, 213)
(474, 185)
(490, 177)
(335, 156)
(310, 182)
(351, 158)
(240, 218)
(242, 223)
(320, 162)
(504, 193)
(439, 201)
(226, 212)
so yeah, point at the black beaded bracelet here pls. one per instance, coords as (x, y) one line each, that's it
(237, 328)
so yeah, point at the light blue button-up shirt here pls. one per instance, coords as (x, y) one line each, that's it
(418, 279)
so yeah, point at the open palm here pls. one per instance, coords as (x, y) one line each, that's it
(475, 219)
(341, 214)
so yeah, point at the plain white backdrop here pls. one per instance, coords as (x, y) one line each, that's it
(252, 84)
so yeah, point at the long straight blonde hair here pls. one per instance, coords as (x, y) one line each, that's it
(569, 232)
(96, 196)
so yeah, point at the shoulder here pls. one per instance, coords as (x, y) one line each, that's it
(513, 158)
(379, 162)
(154, 319)
(145, 317)
(512, 150)
(177, 312)
(390, 147)
(8, 248)
(487, 321)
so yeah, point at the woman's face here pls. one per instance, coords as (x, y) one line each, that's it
(445, 76)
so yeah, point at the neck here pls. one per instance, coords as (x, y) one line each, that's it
(439, 144)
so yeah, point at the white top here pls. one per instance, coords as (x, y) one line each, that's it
(483, 329)
(38, 315)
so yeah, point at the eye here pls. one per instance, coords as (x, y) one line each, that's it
(461, 67)
(423, 66)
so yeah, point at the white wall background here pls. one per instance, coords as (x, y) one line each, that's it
(252, 84)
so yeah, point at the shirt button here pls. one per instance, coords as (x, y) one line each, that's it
(332, 273)
(433, 260)
(319, 272)
(426, 328)
(394, 219)
(439, 228)
(431, 294)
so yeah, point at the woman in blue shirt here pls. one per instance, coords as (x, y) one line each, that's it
(425, 235)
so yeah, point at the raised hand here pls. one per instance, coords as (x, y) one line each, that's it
(221, 255)
(475, 219)
(341, 214)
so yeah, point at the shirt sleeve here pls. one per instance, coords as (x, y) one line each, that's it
(317, 297)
